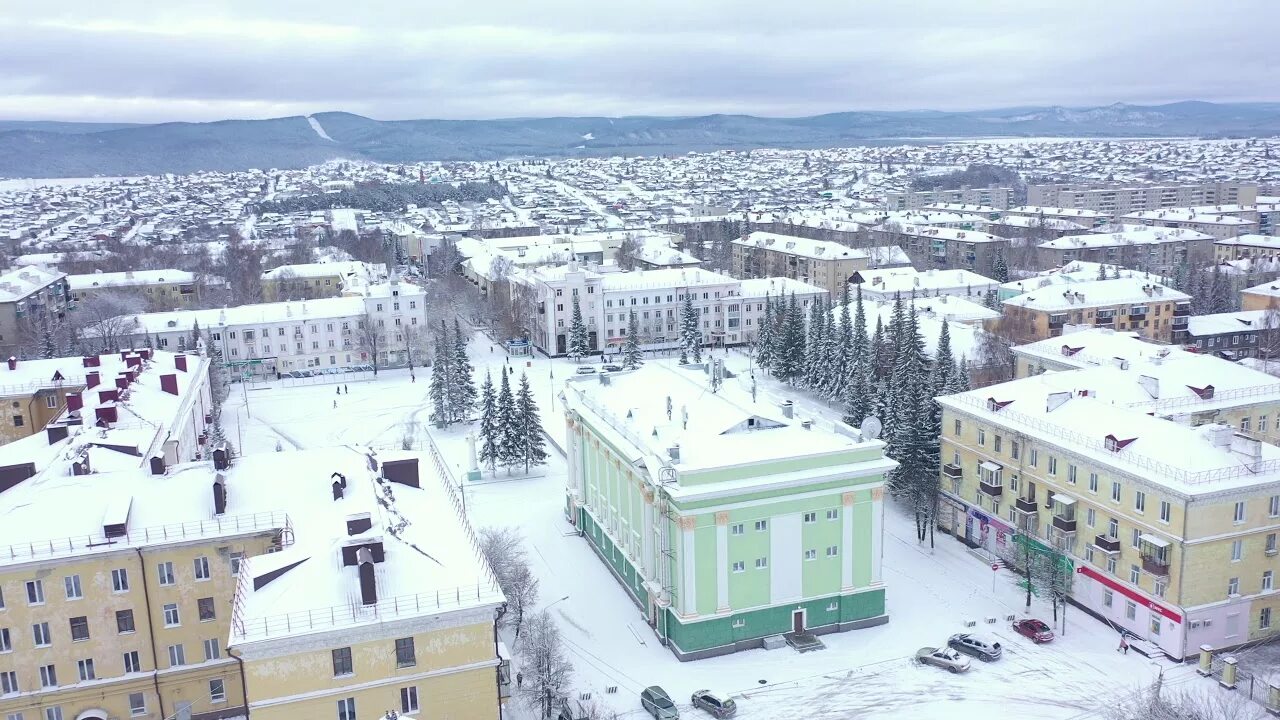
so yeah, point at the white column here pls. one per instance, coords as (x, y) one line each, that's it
(846, 537)
(689, 585)
(877, 531)
(647, 559)
(722, 562)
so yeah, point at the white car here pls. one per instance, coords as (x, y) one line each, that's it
(945, 657)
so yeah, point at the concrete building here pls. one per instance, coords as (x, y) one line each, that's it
(311, 281)
(1246, 247)
(28, 297)
(1158, 251)
(1234, 335)
(162, 289)
(726, 522)
(1164, 530)
(1079, 216)
(995, 197)
(1117, 200)
(1218, 225)
(731, 308)
(827, 264)
(942, 247)
(385, 323)
(908, 282)
(1260, 297)
(1150, 309)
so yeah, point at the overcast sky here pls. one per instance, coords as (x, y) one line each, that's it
(147, 61)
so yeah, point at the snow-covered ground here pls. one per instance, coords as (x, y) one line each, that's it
(315, 125)
(868, 673)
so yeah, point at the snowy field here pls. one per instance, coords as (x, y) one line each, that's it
(864, 673)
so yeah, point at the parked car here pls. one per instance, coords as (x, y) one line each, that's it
(612, 368)
(945, 658)
(658, 703)
(1033, 629)
(295, 374)
(585, 370)
(979, 647)
(719, 705)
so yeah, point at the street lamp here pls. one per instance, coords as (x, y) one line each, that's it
(566, 597)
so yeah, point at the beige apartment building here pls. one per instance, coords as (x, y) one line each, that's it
(1149, 309)
(29, 296)
(1217, 225)
(1116, 200)
(1154, 250)
(1246, 247)
(994, 197)
(823, 263)
(311, 281)
(161, 289)
(1167, 531)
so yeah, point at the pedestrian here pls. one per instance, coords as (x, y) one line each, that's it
(1124, 644)
(339, 391)
(345, 389)
(519, 680)
(335, 404)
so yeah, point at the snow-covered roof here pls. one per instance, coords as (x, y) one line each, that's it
(370, 272)
(1267, 289)
(946, 233)
(1229, 322)
(1057, 212)
(1097, 293)
(1076, 271)
(21, 282)
(803, 247)
(1186, 215)
(905, 280)
(1265, 242)
(1094, 347)
(1051, 223)
(129, 278)
(1131, 235)
(776, 287)
(662, 278)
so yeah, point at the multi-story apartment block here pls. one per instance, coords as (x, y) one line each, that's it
(1116, 200)
(731, 309)
(1246, 247)
(1234, 335)
(1261, 297)
(942, 247)
(1169, 531)
(1204, 220)
(310, 281)
(388, 322)
(827, 264)
(1158, 251)
(996, 197)
(161, 289)
(29, 296)
(1079, 216)
(1147, 308)
(724, 522)
(159, 593)
(908, 282)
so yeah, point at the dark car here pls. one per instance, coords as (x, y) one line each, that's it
(658, 703)
(975, 646)
(1033, 629)
(612, 368)
(719, 705)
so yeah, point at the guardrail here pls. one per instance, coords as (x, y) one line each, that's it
(177, 532)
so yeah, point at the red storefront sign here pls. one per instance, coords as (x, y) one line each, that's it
(1127, 592)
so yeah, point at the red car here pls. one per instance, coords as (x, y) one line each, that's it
(1034, 630)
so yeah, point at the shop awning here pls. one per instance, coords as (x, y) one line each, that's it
(1063, 499)
(1153, 540)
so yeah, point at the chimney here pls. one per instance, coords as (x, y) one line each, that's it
(403, 472)
(180, 362)
(124, 354)
(1150, 384)
(91, 379)
(146, 353)
(221, 458)
(169, 383)
(157, 465)
(337, 490)
(219, 493)
(75, 401)
(358, 523)
(110, 395)
(105, 414)
(13, 363)
(90, 361)
(1055, 400)
(122, 381)
(56, 433)
(788, 409)
(1220, 435)
(133, 361)
(674, 452)
(1249, 448)
(368, 585)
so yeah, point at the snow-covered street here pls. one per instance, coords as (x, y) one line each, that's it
(932, 593)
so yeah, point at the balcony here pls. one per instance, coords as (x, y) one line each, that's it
(1107, 544)
(992, 488)
(1137, 317)
(1065, 524)
(1181, 310)
(1154, 565)
(952, 471)
(1025, 505)
(1108, 320)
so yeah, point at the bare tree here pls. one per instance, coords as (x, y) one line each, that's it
(241, 267)
(544, 664)
(371, 339)
(1194, 703)
(109, 322)
(627, 251)
(504, 549)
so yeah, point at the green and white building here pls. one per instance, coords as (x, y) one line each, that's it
(728, 521)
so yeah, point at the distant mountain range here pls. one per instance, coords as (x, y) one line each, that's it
(53, 149)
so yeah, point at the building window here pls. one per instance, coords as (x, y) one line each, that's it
(6, 642)
(1244, 422)
(177, 656)
(1233, 587)
(762, 525)
(165, 571)
(131, 662)
(735, 529)
(1071, 474)
(1268, 579)
(1239, 513)
(1139, 501)
(982, 436)
(342, 662)
(1273, 507)
(1165, 511)
(996, 442)
(72, 585)
(202, 568)
(1271, 543)
(53, 713)
(8, 682)
(137, 704)
(80, 628)
(739, 566)
(40, 634)
(833, 550)
(1262, 423)
(1053, 465)
(810, 517)
(956, 428)
(404, 652)
(1093, 482)
(762, 563)
(1108, 598)
(124, 621)
(409, 699)
(810, 554)
(86, 669)
(833, 514)
(48, 676)
(171, 616)
(35, 592)
(1111, 565)
(1130, 610)
(1237, 550)
(1135, 573)
(1115, 491)
(217, 691)
(1264, 618)
(211, 649)
(120, 580)
(347, 706)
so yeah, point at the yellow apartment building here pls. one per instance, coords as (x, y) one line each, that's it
(1171, 531)
(823, 263)
(169, 289)
(1134, 304)
(1261, 297)
(310, 281)
(1245, 247)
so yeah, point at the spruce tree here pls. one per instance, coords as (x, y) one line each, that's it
(509, 442)
(765, 337)
(579, 342)
(790, 352)
(690, 333)
(489, 429)
(462, 382)
(842, 349)
(880, 357)
(195, 335)
(440, 393)
(944, 364)
(960, 380)
(815, 348)
(632, 356)
(532, 445)
(1102, 271)
(999, 269)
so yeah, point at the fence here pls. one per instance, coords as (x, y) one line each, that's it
(62, 547)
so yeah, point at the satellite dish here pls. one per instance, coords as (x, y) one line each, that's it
(871, 428)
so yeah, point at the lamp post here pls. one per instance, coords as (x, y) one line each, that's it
(566, 597)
